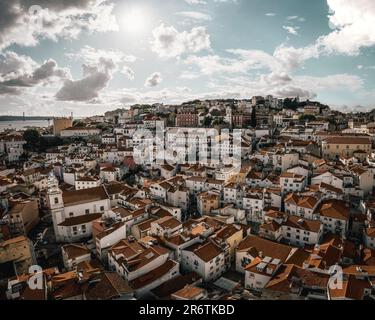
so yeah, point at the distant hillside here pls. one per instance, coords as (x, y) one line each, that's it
(20, 118)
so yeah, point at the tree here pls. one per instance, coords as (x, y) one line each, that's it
(253, 120)
(49, 142)
(218, 121)
(307, 117)
(207, 121)
(32, 138)
(291, 103)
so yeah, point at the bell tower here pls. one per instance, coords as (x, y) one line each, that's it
(55, 203)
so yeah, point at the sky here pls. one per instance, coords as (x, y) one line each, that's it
(92, 56)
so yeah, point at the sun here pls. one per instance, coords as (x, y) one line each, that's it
(135, 20)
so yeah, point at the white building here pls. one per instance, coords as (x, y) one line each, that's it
(79, 132)
(292, 229)
(334, 215)
(105, 236)
(86, 182)
(260, 271)
(301, 206)
(328, 178)
(74, 211)
(12, 146)
(206, 259)
(284, 161)
(291, 182)
(131, 259)
(74, 254)
(109, 174)
(166, 227)
(252, 247)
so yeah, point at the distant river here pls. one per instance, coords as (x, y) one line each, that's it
(20, 124)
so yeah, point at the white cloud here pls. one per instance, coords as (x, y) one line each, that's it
(270, 14)
(203, 2)
(352, 23)
(284, 60)
(244, 61)
(353, 26)
(226, 1)
(238, 74)
(194, 15)
(95, 78)
(53, 20)
(129, 72)
(13, 65)
(18, 71)
(195, 1)
(154, 80)
(344, 81)
(291, 30)
(168, 42)
(296, 18)
(292, 92)
(183, 89)
(189, 75)
(93, 55)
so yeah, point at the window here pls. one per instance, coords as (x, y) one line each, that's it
(87, 211)
(56, 200)
(102, 208)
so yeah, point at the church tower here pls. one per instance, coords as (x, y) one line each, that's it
(229, 115)
(55, 203)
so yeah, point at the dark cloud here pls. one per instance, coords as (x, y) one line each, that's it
(21, 71)
(58, 18)
(95, 79)
(57, 5)
(5, 90)
(154, 80)
(291, 92)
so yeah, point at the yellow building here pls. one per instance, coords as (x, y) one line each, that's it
(20, 252)
(23, 217)
(335, 147)
(206, 202)
(60, 124)
(232, 236)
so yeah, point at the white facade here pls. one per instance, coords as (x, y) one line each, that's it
(328, 178)
(285, 161)
(61, 212)
(209, 271)
(80, 132)
(292, 183)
